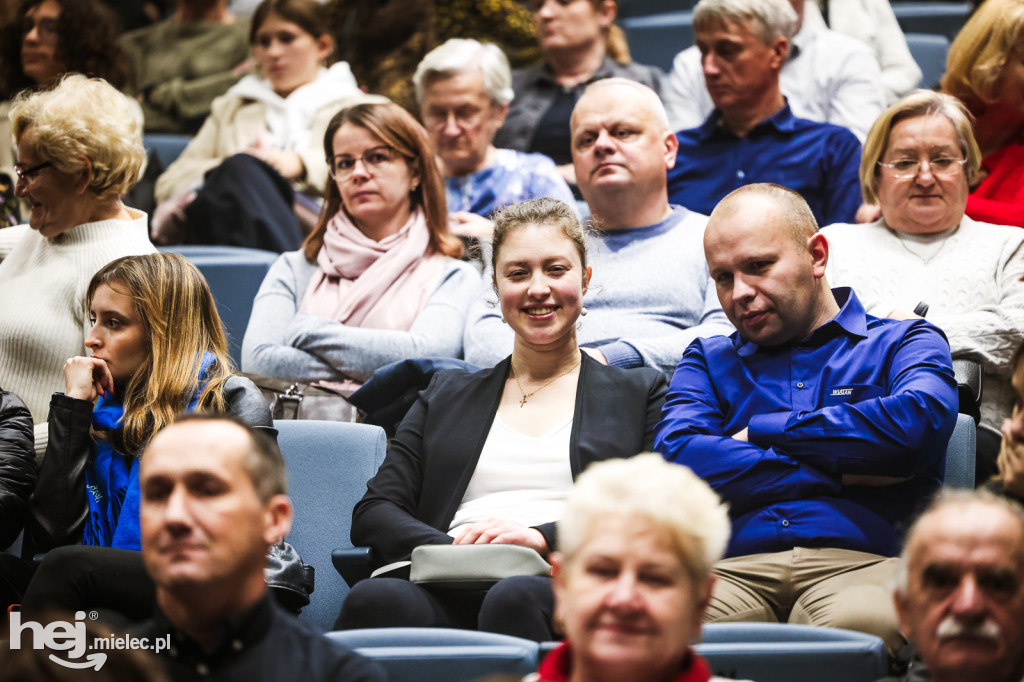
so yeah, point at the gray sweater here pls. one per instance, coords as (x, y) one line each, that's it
(283, 342)
(649, 297)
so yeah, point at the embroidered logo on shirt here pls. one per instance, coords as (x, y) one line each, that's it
(842, 391)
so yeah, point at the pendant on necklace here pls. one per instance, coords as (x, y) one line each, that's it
(522, 401)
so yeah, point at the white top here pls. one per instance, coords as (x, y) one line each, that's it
(970, 281)
(519, 478)
(874, 23)
(829, 77)
(43, 317)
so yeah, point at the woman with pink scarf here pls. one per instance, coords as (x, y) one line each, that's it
(378, 279)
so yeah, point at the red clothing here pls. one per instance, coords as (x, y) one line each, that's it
(555, 668)
(999, 198)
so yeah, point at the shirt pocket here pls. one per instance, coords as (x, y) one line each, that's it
(852, 393)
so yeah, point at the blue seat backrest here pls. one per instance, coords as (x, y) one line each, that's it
(166, 148)
(944, 17)
(929, 51)
(657, 39)
(234, 275)
(961, 454)
(328, 466)
(441, 654)
(774, 652)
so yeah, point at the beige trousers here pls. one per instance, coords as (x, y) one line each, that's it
(830, 587)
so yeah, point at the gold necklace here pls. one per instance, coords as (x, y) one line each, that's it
(527, 396)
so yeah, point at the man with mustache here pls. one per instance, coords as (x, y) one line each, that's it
(961, 598)
(822, 427)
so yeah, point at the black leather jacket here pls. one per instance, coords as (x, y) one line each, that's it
(58, 508)
(17, 465)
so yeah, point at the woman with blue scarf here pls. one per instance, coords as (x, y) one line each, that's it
(158, 348)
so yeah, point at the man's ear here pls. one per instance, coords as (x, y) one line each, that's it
(671, 147)
(277, 521)
(780, 52)
(500, 113)
(817, 247)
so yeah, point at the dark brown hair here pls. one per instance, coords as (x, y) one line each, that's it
(309, 15)
(88, 42)
(395, 127)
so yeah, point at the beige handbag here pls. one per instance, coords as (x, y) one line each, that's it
(473, 567)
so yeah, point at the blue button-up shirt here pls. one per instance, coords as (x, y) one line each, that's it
(860, 396)
(820, 161)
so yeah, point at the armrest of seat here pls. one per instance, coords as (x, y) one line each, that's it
(968, 386)
(352, 563)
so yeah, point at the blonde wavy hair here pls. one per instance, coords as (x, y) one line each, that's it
(646, 488)
(991, 37)
(173, 301)
(85, 118)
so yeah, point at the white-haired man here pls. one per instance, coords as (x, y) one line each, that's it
(652, 294)
(464, 88)
(961, 599)
(828, 76)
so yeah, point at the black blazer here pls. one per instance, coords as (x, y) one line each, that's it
(419, 487)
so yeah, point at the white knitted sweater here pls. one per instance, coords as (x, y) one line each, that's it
(971, 285)
(43, 317)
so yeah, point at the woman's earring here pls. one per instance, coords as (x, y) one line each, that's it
(584, 311)
(503, 320)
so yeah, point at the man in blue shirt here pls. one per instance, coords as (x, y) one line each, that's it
(822, 427)
(752, 136)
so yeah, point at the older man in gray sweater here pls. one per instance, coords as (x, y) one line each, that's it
(650, 294)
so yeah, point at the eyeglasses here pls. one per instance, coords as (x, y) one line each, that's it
(45, 28)
(908, 168)
(27, 174)
(343, 165)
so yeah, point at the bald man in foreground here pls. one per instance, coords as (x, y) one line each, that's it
(823, 428)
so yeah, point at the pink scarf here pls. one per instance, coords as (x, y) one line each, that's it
(365, 283)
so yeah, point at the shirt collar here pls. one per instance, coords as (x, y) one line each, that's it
(241, 632)
(782, 120)
(850, 320)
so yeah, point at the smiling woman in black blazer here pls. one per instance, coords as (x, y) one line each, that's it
(489, 457)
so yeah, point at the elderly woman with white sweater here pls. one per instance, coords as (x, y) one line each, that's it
(918, 161)
(79, 150)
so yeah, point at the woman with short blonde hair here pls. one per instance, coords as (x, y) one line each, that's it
(79, 150)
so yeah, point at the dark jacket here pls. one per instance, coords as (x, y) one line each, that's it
(58, 508)
(413, 498)
(17, 466)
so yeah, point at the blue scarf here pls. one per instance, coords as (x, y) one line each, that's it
(112, 478)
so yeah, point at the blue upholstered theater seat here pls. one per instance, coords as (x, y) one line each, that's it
(441, 654)
(328, 465)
